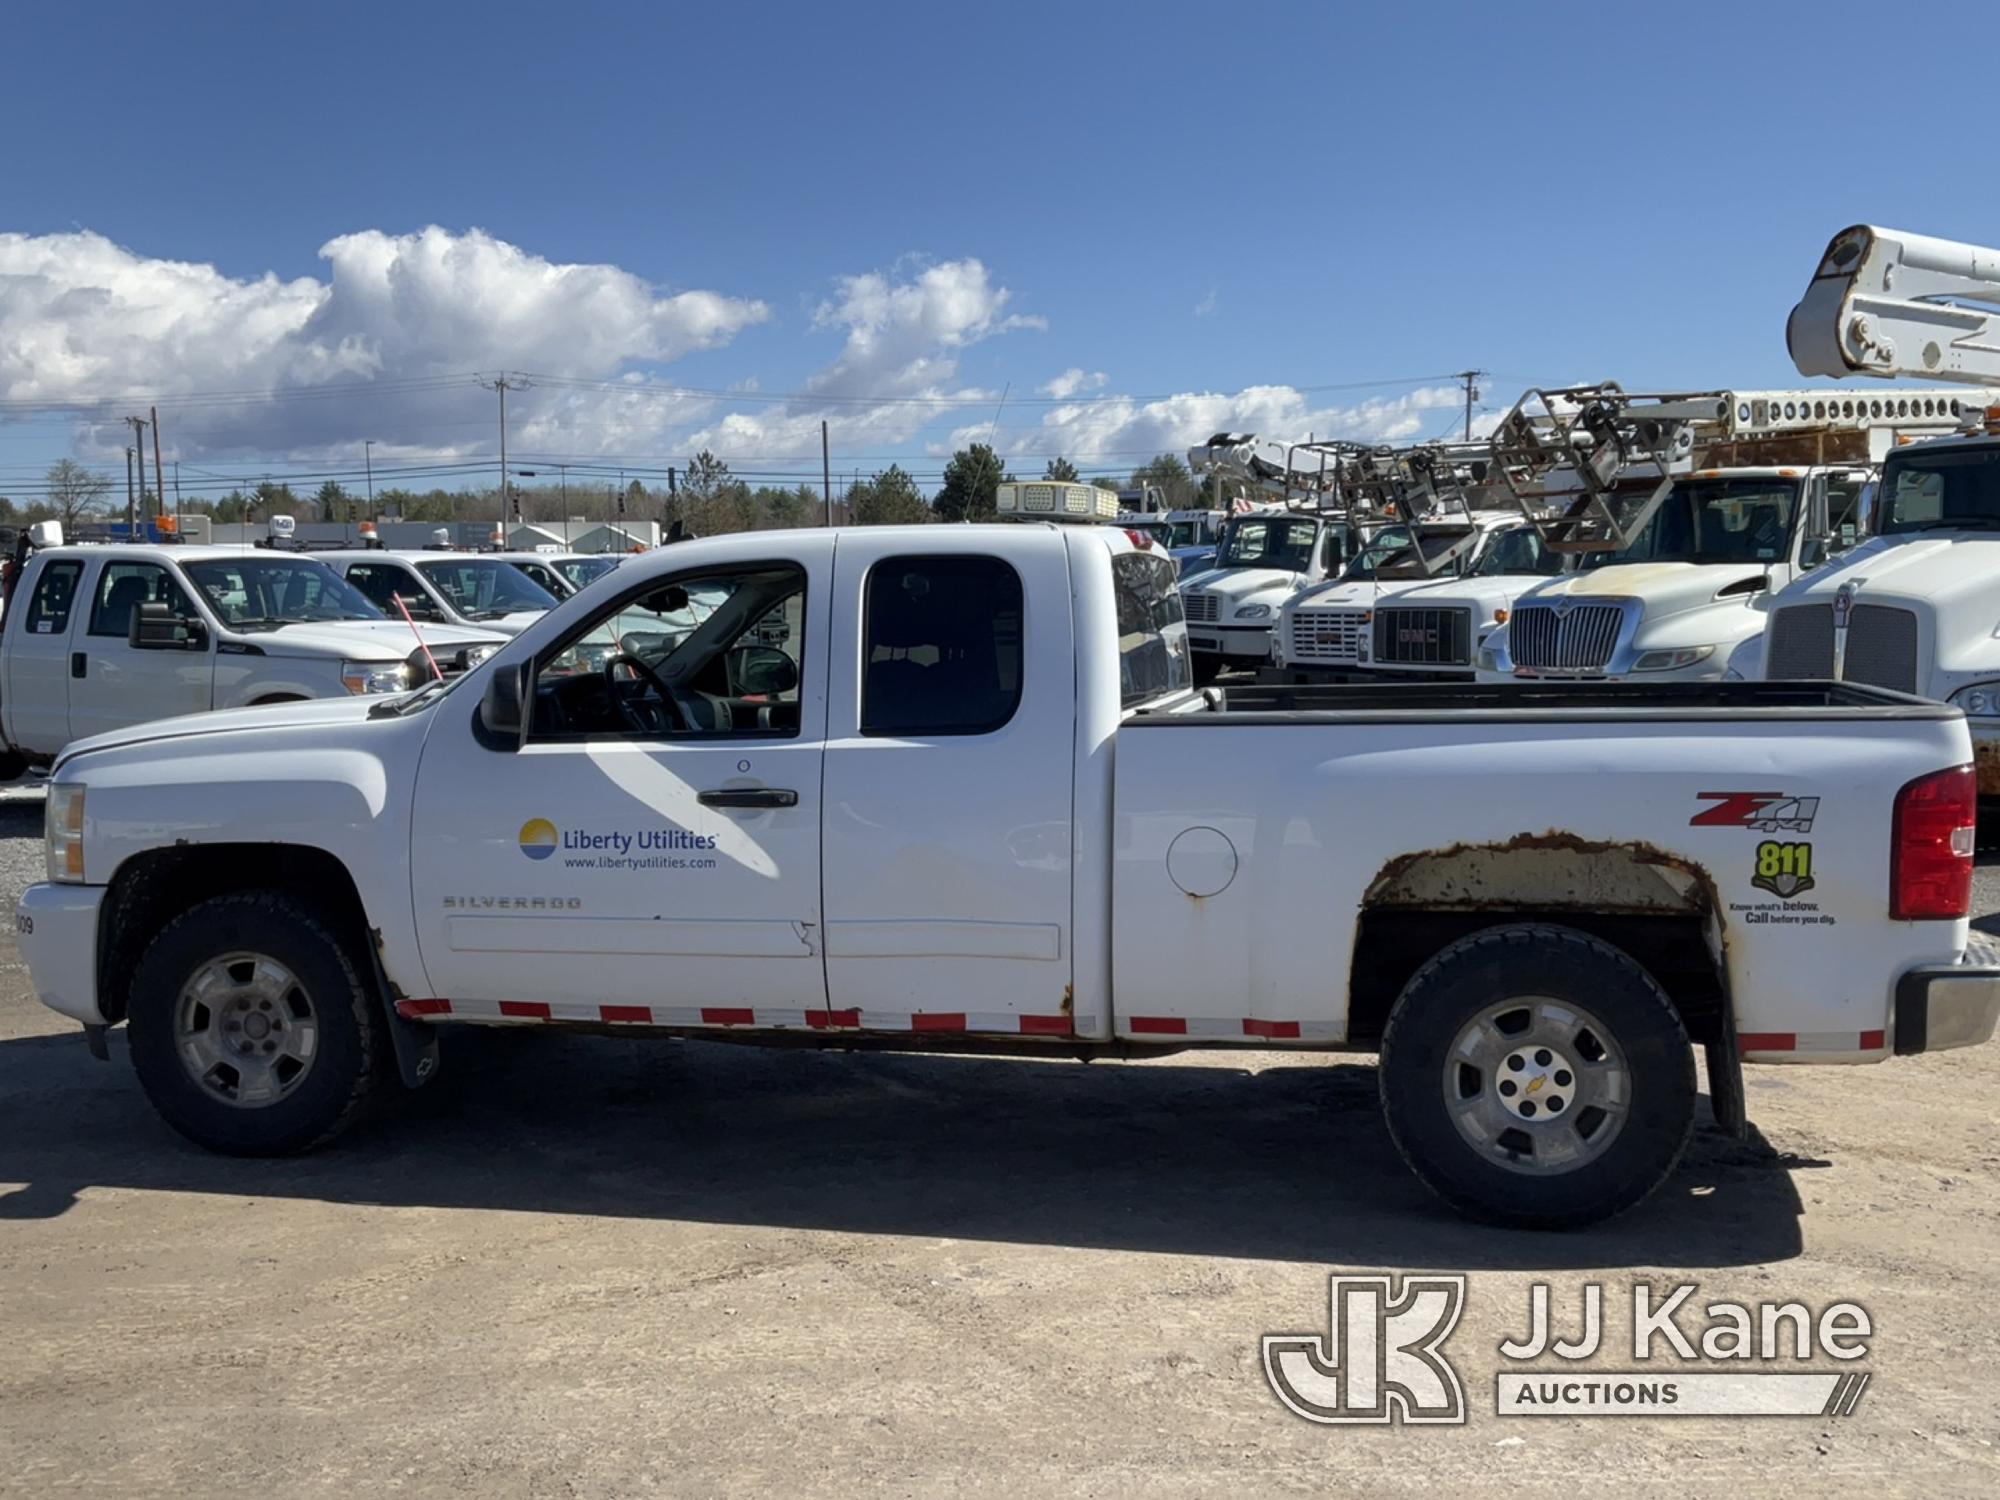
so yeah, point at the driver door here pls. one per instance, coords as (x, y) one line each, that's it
(651, 853)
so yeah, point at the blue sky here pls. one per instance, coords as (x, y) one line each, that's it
(1248, 216)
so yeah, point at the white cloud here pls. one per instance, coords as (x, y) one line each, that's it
(1116, 431)
(1073, 382)
(1205, 307)
(82, 318)
(903, 342)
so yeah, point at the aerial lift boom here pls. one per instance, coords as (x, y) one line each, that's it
(1885, 302)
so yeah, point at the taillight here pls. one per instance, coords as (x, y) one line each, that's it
(1930, 872)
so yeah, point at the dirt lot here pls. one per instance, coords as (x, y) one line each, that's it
(581, 1265)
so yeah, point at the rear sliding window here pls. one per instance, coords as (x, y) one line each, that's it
(942, 641)
(1153, 659)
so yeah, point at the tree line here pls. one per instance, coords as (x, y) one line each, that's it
(707, 501)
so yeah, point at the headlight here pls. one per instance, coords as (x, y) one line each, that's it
(62, 831)
(375, 676)
(1980, 701)
(1254, 612)
(1668, 661)
(472, 656)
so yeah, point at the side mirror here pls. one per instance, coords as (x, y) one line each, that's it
(503, 712)
(155, 627)
(761, 670)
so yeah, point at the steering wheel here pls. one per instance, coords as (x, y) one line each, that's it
(627, 709)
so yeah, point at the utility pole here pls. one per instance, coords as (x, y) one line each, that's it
(825, 473)
(177, 497)
(159, 475)
(138, 426)
(1471, 395)
(368, 465)
(503, 383)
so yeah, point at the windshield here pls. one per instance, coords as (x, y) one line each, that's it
(1268, 542)
(1185, 534)
(248, 592)
(1714, 521)
(482, 589)
(1930, 491)
(584, 570)
(1518, 549)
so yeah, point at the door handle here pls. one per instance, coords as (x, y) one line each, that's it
(79, 663)
(749, 796)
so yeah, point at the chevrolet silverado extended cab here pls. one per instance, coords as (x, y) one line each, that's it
(101, 637)
(967, 797)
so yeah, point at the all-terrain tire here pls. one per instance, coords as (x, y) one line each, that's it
(1479, 975)
(351, 1046)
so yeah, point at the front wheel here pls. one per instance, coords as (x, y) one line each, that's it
(1534, 1075)
(252, 1030)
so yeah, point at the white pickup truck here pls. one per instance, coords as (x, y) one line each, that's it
(466, 590)
(101, 637)
(970, 800)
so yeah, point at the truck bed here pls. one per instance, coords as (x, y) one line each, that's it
(1393, 702)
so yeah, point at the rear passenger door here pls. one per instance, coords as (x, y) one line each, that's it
(947, 836)
(38, 631)
(111, 684)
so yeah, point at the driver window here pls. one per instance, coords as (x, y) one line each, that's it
(710, 656)
(125, 586)
(382, 582)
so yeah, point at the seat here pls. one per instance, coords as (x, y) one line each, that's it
(126, 595)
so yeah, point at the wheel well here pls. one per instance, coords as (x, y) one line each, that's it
(270, 698)
(152, 889)
(1394, 942)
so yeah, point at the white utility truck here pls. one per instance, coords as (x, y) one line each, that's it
(450, 588)
(1264, 558)
(108, 635)
(1684, 513)
(972, 802)
(1394, 616)
(1915, 607)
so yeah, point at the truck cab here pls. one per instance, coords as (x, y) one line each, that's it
(466, 589)
(1914, 608)
(1395, 621)
(1262, 560)
(1691, 586)
(105, 636)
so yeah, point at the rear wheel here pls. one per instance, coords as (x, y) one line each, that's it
(252, 1030)
(1535, 1075)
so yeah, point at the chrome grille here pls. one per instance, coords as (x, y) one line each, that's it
(1881, 647)
(1800, 643)
(1424, 637)
(1579, 640)
(1326, 635)
(1201, 608)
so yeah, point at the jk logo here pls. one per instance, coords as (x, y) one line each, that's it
(1380, 1359)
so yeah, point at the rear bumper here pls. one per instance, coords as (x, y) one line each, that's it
(56, 928)
(1951, 1005)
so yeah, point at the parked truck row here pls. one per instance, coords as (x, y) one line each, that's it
(962, 788)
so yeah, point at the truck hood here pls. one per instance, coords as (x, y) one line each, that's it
(1246, 585)
(1665, 589)
(1481, 595)
(312, 713)
(362, 640)
(1938, 571)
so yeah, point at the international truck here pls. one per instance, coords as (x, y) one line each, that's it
(971, 799)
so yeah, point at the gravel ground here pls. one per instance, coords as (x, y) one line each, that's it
(590, 1265)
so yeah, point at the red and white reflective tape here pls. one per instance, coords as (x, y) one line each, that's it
(1812, 1041)
(731, 1016)
(1209, 1028)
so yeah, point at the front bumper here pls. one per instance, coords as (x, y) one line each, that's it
(1242, 642)
(56, 929)
(1950, 1005)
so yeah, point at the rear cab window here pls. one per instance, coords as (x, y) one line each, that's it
(1154, 659)
(49, 606)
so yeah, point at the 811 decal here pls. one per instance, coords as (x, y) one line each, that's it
(1783, 869)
